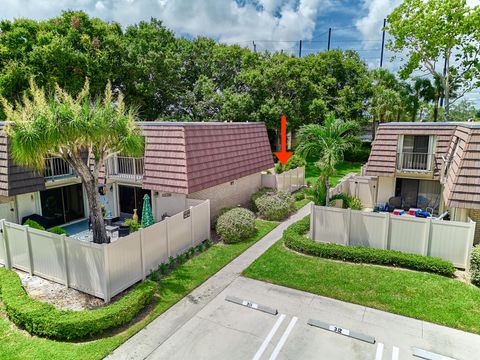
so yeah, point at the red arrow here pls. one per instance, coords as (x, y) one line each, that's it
(284, 155)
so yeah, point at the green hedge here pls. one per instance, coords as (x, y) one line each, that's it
(43, 319)
(294, 239)
(475, 266)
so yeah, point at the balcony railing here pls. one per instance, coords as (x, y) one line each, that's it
(124, 167)
(411, 161)
(56, 168)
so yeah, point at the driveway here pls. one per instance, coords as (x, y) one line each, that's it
(227, 330)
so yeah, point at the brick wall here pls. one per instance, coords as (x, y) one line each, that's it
(229, 194)
(475, 216)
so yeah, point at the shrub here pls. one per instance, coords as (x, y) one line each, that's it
(34, 225)
(299, 195)
(58, 230)
(133, 224)
(292, 163)
(475, 266)
(257, 194)
(358, 154)
(275, 207)
(43, 319)
(236, 225)
(349, 202)
(294, 239)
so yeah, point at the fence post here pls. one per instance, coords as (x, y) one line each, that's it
(386, 235)
(192, 238)
(106, 274)
(290, 187)
(142, 254)
(29, 250)
(8, 259)
(312, 221)
(468, 251)
(167, 238)
(65, 261)
(347, 228)
(209, 228)
(426, 238)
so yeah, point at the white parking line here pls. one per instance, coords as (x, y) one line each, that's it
(269, 337)
(395, 353)
(379, 353)
(284, 337)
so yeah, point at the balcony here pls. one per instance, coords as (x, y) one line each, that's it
(56, 169)
(415, 162)
(125, 168)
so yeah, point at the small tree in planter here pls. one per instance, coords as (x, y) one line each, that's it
(82, 132)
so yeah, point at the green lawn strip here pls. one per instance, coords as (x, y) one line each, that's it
(419, 295)
(17, 344)
(301, 203)
(343, 168)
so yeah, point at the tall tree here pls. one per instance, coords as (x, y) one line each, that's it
(435, 32)
(69, 128)
(330, 141)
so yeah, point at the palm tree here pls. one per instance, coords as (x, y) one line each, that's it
(328, 141)
(73, 129)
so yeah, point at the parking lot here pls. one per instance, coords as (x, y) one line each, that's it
(229, 330)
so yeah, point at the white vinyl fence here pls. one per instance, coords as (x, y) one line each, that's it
(103, 270)
(288, 181)
(450, 240)
(362, 187)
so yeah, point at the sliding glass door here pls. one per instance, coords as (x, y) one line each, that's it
(62, 205)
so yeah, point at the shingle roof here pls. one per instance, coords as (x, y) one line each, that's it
(189, 157)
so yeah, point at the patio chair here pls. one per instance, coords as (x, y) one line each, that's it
(395, 202)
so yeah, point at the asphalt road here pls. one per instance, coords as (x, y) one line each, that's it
(227, 330)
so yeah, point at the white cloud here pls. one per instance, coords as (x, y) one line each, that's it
(224, 20)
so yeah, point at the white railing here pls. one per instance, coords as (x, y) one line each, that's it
(411, 161)
(449, 240)
(125, 167)
(103, 270)
(56, 168)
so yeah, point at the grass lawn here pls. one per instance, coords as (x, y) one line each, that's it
(343, 168)
(301, 203)
(420, 295)
(15, 344)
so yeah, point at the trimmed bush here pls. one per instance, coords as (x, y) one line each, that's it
(475, 266)
(236, 225)
(34, 225)
(43, 319)
(292, 163)
(58, 230)
(257, 194)
(294, 239)
(299, 195)
(349, 202)
(275, 207)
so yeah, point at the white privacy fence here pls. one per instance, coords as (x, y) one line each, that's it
(449, 240)
(362, 187)
(288, 181)
(103, 270)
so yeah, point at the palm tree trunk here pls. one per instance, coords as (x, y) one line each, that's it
(326, 181)
(95, 213)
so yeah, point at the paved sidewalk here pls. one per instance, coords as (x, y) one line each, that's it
(146, 341)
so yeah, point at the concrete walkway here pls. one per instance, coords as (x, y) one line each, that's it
(146, 341)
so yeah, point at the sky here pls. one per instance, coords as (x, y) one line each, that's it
(272, 24)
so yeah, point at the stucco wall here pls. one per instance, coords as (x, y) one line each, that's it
(167, 203)
(230, 194)
(386, 189)
(28, 204)
(474, 214)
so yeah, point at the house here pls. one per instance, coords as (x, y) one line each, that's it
(221, 162)
(428, 165)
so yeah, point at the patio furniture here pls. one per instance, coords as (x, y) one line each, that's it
(112, 232)
(395, 202)
(123, 230)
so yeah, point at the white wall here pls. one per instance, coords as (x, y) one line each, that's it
(169, 203)
(28, 204)
(386, 189)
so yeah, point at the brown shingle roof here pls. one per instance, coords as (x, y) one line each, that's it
(189, 157)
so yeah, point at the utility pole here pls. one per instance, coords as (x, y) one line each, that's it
(254, 46)
(383, 41)
(329, 38)
(300, 49)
